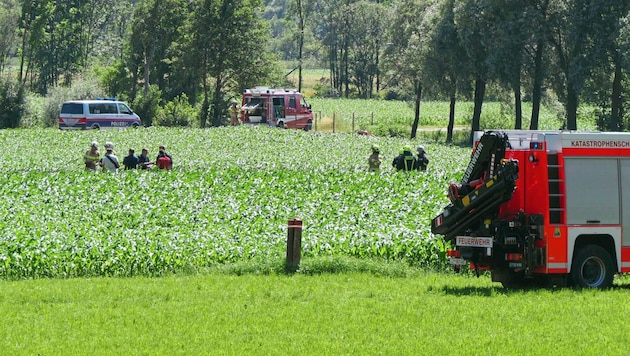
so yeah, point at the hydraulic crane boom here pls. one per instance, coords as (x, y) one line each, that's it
(488, 182)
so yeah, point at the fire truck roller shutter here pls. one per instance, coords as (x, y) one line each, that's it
(624, 165)
(592, 190)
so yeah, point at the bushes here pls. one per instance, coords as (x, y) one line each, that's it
(178, 112)
(11, 104)
(83, 88)
(148, 106)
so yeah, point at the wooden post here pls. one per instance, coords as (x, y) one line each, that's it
(334, 117)
(372, 121)
(353, 121)
(294, 245)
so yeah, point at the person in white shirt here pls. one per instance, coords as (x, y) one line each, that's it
(110, 162)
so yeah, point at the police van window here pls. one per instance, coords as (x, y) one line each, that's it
(109, 108)
(96, 108)
(124, 109)
(292, 102)
(72, 108)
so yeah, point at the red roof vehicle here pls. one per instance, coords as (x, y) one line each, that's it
(276, 107)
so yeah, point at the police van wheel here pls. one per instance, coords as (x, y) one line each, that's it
(592, 268)
(135, 126)
(95, 127)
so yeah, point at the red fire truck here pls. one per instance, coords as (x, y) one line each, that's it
(276, 107)
(542, 206)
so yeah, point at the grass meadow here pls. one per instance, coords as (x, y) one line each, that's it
(191, 261)
(334, 314)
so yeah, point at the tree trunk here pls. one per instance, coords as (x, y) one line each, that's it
(148, 56)
(206, 102)
(451, 118)
(416, 118)
(572, 105)
(616, 123)
(537, 85)
(216, 102)
(21, 76)
(300, 42)
(518, 106)
(480, 93)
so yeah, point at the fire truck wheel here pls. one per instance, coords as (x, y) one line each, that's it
(281, 124)
(309, 126)
(592, 268)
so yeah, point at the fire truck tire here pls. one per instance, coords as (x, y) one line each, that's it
(593, 267)
(281, 124)
(309, 126)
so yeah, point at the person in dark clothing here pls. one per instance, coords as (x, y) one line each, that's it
(397, 158)
(143, 160)
(130, 161)
(422, 160)
(405, 161)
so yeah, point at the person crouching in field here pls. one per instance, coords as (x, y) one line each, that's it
(91, 157)
(375, 159)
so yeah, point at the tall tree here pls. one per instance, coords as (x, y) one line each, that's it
(506, 42)
(9, 16)
(230, 39)
(579, 31)
(35, 15)
(363, 37)
(536, 50)
(473, 28)
(409, 38)
(443, 68)
(298, 8)
(156, 26)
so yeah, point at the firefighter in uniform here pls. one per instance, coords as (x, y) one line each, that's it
(375, 159)
(422, 160)
(233, 114)
(91, 157)
(405, 161)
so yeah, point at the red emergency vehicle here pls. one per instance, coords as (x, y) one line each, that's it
(276, 107)
(542, 206)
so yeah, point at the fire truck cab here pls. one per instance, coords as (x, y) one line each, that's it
(284, 108)
(542, 205)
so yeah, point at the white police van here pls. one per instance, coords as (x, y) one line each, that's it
(97, 114)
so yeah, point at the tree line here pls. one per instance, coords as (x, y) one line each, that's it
(154, 51)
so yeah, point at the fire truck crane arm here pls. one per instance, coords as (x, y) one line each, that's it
(488, 182)
(469, 210)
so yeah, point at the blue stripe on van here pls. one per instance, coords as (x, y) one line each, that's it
(106, 122)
